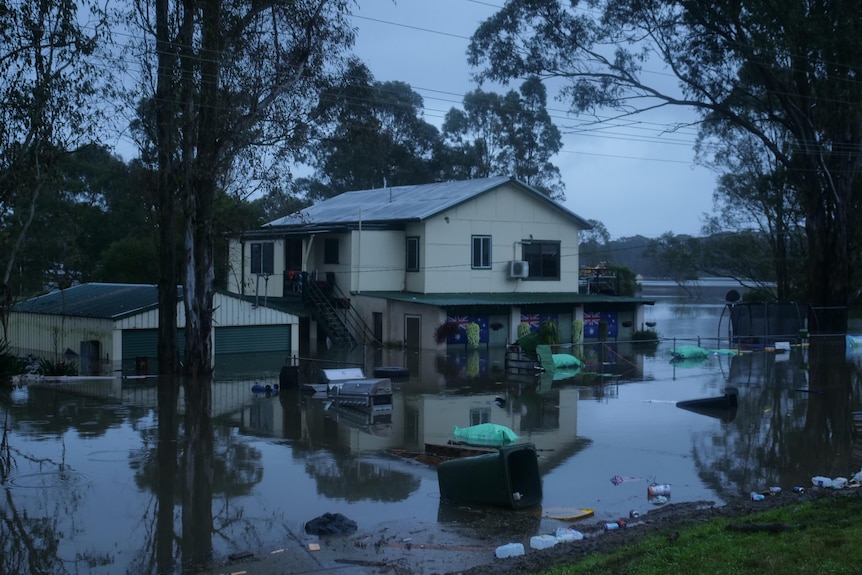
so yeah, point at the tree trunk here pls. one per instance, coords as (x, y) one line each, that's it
(827, 225)
(199, 206)
(168, 276)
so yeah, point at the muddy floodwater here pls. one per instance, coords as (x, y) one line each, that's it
(96, 479)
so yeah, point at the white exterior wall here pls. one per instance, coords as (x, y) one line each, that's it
(240, 279)
(508, 216)
(379, 259)
(49, 336)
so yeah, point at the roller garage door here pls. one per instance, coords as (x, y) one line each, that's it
(145, 342)
(252, 339)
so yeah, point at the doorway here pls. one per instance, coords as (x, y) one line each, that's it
(412, 332)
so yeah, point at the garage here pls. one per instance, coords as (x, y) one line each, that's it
(116, 326)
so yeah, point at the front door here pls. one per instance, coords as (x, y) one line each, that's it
(412, 332)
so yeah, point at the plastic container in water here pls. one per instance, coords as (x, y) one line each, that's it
(755, 496)
(542, 541)
(839, 483)
(658, 489)
(568, 534)
(509, 550)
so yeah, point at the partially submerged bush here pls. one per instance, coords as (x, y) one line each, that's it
(48, 367)
(9, 364)
(645, 336)
(445, 330)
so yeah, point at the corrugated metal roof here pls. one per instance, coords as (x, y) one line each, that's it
(96, 300)
(405, 203)
(506, 298)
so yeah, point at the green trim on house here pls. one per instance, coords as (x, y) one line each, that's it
(506, 299)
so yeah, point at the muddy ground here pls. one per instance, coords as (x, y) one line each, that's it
(463, 541)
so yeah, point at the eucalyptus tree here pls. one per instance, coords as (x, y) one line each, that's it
(761, 66)
(234, 86)
(48, 90)
(505, 134)
(375, 136)
(755, 198)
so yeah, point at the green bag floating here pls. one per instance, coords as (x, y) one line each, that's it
(489, 434)
(688, 352)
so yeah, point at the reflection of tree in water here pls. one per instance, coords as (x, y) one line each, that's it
(237, 466)
(30, 537)
(794, 421)
(352, 479)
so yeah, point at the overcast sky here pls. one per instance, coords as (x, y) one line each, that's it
(635, 179)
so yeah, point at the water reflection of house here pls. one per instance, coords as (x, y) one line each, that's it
(547, 419)
(396, 264)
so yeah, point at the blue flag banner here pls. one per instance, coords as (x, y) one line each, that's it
(462, 321)
(592, 319)
(535, 320)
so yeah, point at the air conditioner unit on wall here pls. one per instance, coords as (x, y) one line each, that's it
(518, 269)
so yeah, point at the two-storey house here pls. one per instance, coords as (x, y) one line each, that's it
(397, 264)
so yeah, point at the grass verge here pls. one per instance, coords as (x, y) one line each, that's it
(818, 537)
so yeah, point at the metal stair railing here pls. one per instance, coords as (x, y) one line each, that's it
(354, 322)
(324, 312)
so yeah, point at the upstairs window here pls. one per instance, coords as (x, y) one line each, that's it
(543, 258)
(262, 258)
(413, 254)
(330, 251)
(481, 252)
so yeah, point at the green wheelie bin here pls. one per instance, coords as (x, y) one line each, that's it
(507, 478)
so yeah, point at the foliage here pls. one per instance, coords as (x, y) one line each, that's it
(9, 364)
(627, 284)
(549, 333)
(679, 257)
(505, 134)
(756, 197)
(49, 91)
(645, 336)
(803, 537)
(237, 88)
(578, 331)
(445, 331)
(758, 295)
(472, 335)
(523, 329)
(593, 245)
(55, 368)
(376, 137)
(787, 74)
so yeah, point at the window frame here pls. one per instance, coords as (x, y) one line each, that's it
(480, 251)
(545, 264)
(262, 258)
(412, 253)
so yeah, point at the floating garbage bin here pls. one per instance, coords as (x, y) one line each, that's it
(288, 377)
(507, 478)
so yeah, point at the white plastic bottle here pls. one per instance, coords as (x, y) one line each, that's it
(542, 541)
(509, 550)
(821, 481)
(568, 534)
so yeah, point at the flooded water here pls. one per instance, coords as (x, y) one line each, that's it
(96, 479)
